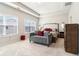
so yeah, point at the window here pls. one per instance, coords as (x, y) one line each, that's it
(1, 29)
(11, 24)
(8, 25)
(1, 20)
(1, 25)
(30, 25)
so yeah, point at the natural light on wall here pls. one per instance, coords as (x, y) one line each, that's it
(62, 25)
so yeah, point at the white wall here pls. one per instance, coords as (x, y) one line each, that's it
(74, 13)
(55, 17)
(6, 10)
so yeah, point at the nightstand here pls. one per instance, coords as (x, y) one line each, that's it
(61, 34)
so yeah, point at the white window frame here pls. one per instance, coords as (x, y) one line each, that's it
(4, 24)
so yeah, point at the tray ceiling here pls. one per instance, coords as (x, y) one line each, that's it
(45, 7)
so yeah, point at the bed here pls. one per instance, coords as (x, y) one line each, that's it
(54, 27)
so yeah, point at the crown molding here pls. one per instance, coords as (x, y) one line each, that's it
(20, 8)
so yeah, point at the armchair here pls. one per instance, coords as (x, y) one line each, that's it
(46, 39)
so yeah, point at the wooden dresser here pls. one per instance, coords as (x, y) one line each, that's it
(71, 35)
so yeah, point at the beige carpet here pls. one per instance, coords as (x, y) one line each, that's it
(24, 48)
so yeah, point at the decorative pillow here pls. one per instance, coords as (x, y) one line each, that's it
(40, 33)
(48, 29)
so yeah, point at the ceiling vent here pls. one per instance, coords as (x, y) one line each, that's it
(68, 3)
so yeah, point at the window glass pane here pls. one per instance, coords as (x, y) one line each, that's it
(11, 20)
(11, 29)
(32, 28)
(27, 28)
(1, 19)
(1, 30)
